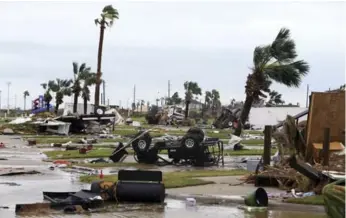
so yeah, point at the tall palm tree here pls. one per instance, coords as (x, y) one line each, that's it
(26, 94)
(274, 62)
(61, 87)
(275, 98)
(47, 96)
(108, 15)
(89, 79)
(79, 73)
(191, 89)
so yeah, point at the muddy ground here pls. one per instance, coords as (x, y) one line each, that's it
(28, 189)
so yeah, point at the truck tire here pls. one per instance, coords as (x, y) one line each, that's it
(142, 144)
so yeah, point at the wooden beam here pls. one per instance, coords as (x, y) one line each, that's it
(267, 144)
(326, 143)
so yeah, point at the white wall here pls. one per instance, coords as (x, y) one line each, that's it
(259, 117)
(80, 108)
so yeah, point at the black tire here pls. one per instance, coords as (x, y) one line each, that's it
(142, 144)
(190, 141)
(196, 133)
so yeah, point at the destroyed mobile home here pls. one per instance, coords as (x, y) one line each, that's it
(311, 154)
(102, 122)
(165, 116)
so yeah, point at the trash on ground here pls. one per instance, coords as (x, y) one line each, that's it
(16, 171)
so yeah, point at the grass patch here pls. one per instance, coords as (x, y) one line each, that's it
(104, 165)
(49, 140)
(95, 153)
(310, 200)
(254, 132)
(177, 179)
(252, 141)
(106, 152)
(247, 152)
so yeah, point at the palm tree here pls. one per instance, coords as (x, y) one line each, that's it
(108, 15)
(47, 96)
(79, 73)
(89, 79)
(215, 97)
(207, 99)
(26, 94)
(142, 104)
(275, 62)
(175, 99)
(275, 98)
(191, 89)
(61, 87)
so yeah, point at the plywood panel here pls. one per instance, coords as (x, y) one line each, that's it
(327, 110)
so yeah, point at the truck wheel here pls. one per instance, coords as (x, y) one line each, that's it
(142, 144)
(190, 142)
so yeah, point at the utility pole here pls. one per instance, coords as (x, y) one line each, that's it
(307, 95)
(0, 99)
(169, 89)
(15, 102)
(8, 97)
(134, 94)
(104, 92)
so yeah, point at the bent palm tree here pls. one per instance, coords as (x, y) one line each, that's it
(274, 62)
(26, 94)
(89, 79)
(108, 15)
(191, 89)
(61, 87)
(79, 72)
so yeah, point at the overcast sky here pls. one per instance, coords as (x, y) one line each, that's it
(211, 43)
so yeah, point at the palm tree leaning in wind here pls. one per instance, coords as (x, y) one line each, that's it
(273, 62)
(26, 94)
(108, 15)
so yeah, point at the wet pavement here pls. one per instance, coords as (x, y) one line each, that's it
(28, 189)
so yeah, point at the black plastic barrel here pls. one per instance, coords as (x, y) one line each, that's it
(140, 192)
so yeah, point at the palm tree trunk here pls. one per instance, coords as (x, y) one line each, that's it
(99, 60)
(244, 114)
(85, 105)
(47, 105)
(187, 109)
(24, 103)
(56, 108)
(75, 103)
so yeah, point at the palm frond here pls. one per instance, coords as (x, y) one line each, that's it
(82, 67)
(283, 34)
(44, 85)
(75, 68)
(288, 74)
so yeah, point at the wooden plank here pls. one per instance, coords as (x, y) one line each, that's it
(327, 110)
(267, 145)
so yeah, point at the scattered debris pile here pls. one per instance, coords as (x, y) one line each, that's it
(165, 116)
(290, 171)
(229, 118)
